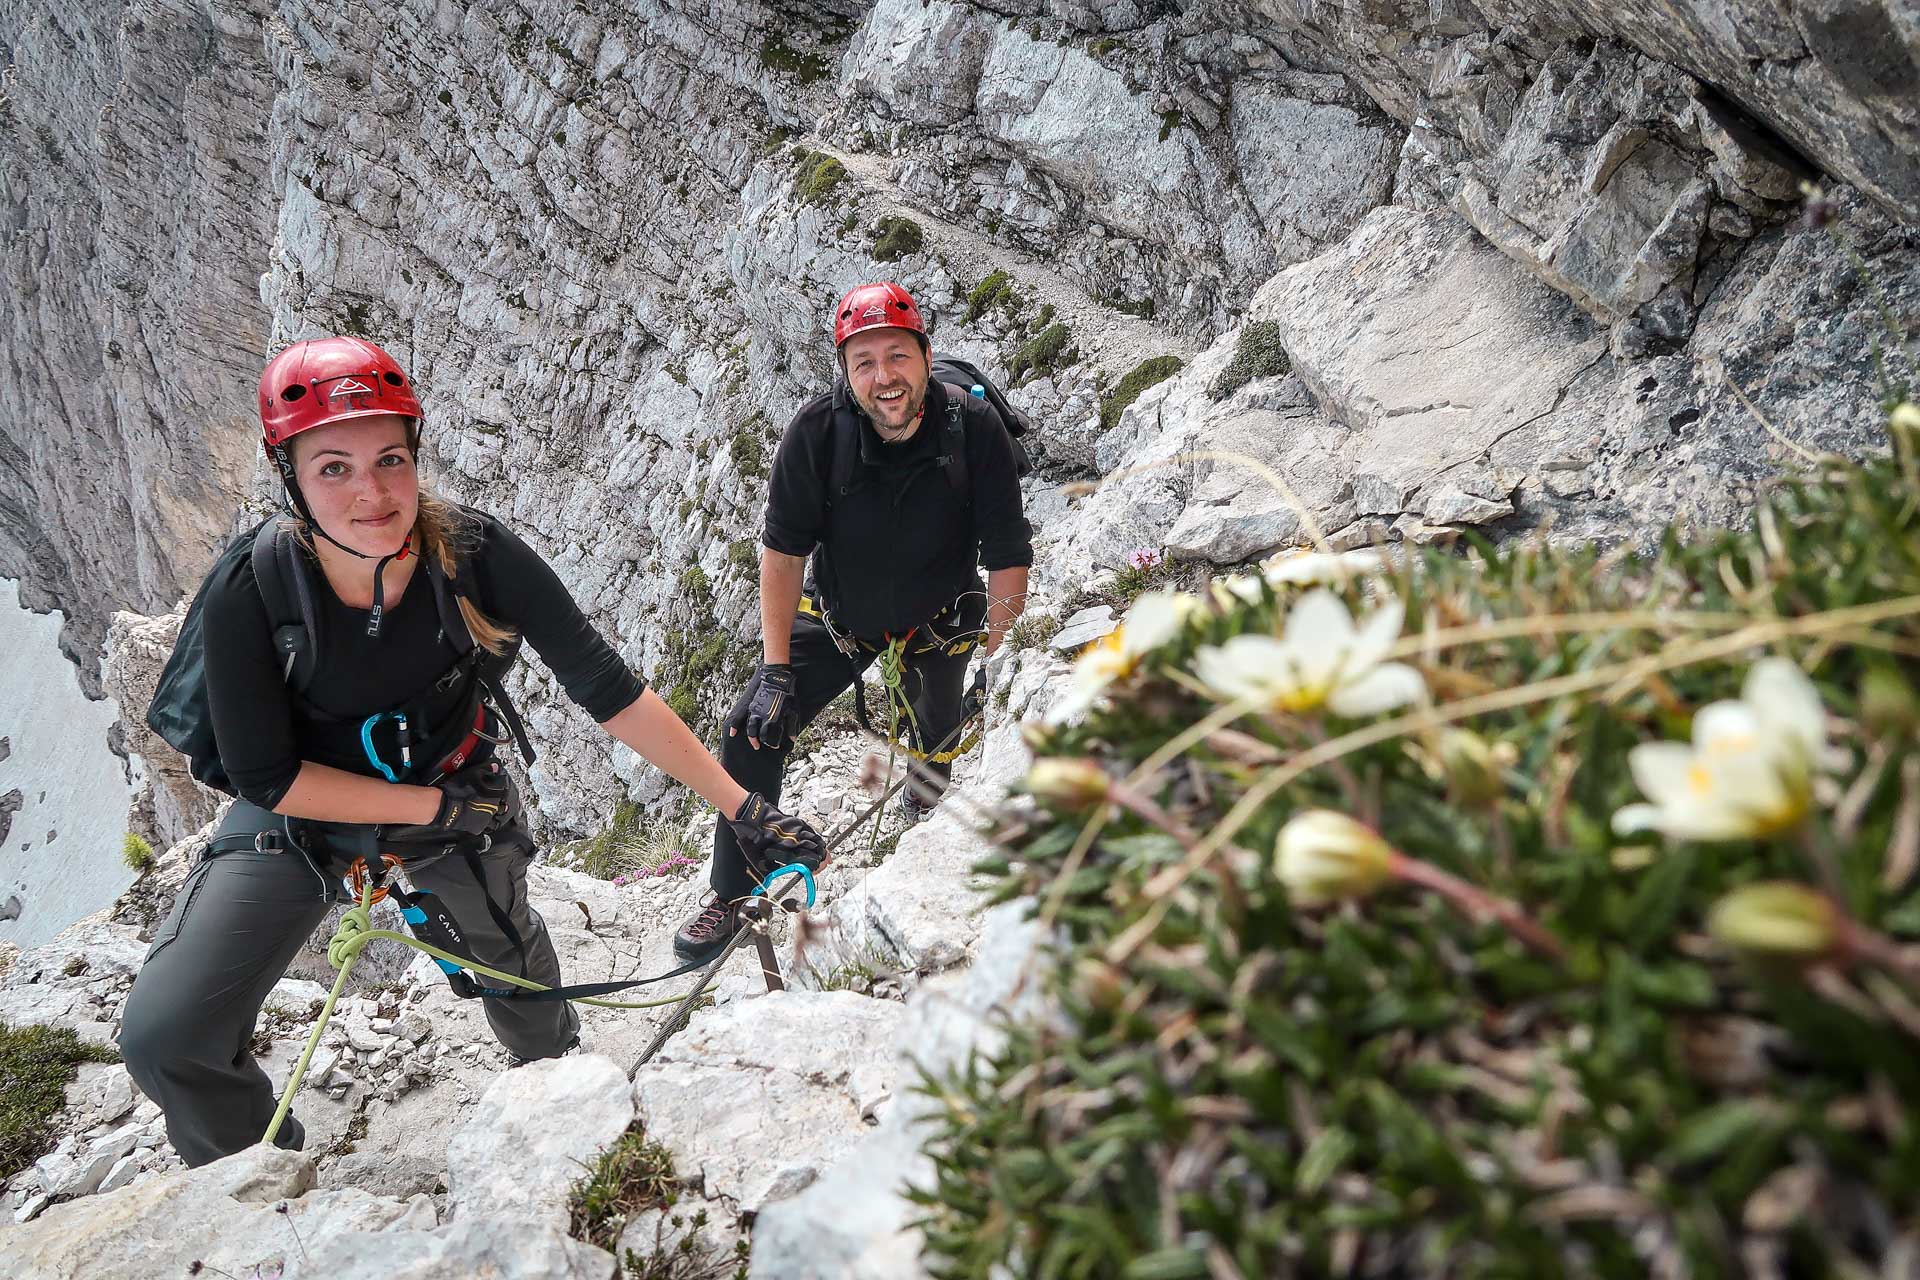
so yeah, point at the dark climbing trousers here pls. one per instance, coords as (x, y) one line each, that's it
(933, 682)
(239, 920)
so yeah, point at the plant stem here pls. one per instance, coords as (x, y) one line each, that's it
(1477, 903)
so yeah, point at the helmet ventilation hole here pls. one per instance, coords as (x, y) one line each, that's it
(393, 379)
(293, 392)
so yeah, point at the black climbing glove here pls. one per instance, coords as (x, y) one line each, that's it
(772, 839)
(974, 700)
(473, 802)
(770, 716)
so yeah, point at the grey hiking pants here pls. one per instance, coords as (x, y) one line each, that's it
(239, 920)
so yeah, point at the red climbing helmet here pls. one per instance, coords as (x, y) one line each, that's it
(876, 306)
(322, 380)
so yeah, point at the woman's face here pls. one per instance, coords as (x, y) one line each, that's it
(359, 481)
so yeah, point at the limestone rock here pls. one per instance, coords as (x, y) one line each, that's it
(711, 1091)
(222, 1214)
(506, 1247)
(527, 1140)
(852, 1223)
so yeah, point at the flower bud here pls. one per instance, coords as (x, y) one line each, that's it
(1100, 984)
(1777, 917)
(1473, 772)
(1071, 784)
(1887, 703)
(1323, 856)
(1903, 424)
(1038, 735)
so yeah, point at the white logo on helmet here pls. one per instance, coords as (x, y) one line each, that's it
(349, 387)
(877, 311)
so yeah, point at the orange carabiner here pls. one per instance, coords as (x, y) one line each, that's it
(357, 877)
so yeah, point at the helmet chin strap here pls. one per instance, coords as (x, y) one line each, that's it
(298, 501)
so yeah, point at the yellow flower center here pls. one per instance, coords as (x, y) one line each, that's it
(1699, 779)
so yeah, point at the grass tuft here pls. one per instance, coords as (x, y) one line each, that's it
(36, 1066)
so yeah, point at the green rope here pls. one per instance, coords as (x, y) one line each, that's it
(355, 932)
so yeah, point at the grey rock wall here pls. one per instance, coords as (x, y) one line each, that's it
(134, 220)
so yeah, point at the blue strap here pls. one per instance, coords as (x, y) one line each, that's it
(777, 872)
(366, 741)
(414, 915)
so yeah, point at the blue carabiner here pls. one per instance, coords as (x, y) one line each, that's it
(801, 867)
(373, 757)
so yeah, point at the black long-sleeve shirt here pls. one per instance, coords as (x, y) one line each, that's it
(264, 731)
(902, 542)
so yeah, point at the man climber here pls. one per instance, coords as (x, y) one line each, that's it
(900, 487)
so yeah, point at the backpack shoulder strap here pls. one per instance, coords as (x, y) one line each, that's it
(286, 588)
(954, 448)
(488, 669)
(844, 446)
(453, 623)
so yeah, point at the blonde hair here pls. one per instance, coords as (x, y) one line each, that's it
(448, 534)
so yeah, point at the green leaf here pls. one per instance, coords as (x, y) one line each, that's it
(1167, 1264)
(1706, 1134)
(1323, 1159)
(1661, 895)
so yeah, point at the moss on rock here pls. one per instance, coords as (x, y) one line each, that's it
(1147, 373)
(1259, 353)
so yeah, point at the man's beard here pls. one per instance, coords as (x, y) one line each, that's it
(914, 400)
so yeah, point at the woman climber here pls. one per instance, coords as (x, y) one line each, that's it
(355, 712)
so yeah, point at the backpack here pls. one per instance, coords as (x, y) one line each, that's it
(179, 713)
(961, 378)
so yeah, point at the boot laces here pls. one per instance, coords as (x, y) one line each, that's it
(711, 917)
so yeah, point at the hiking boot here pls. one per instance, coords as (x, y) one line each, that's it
(914, 808)
(702, 937)
(292, 1135)
(572, 1047)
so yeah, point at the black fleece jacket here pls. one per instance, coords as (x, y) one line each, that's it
(901, 543)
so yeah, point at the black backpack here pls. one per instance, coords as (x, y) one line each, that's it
(961, 378)
(179, 711)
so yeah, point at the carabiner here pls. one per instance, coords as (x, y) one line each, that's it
(373, 757)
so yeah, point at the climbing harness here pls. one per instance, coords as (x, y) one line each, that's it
(426, 914)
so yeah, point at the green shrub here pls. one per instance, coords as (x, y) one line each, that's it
(1143, 375)
(995, 291)
(1258, 354)
(1496, 1031)
(816, 175)
(1032, 630)
(36, 1066)
(748, 452)
(136, 853)
(631, 1175)
(1043, 355)
(899, 238)
(744, 555)
(693, 582)
(1136, 579)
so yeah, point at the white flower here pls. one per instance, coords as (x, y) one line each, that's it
(1323, 856)
(1307, 568)
(1749, 770)
(1322, 660)
(1156, 618)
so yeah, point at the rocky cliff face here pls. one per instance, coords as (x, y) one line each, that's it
(1435, 266)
